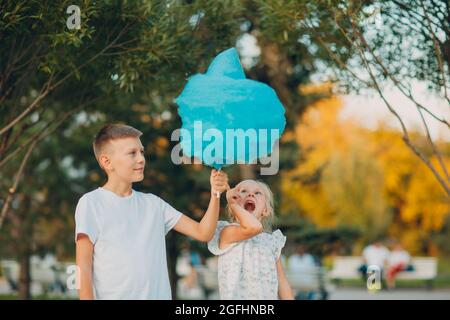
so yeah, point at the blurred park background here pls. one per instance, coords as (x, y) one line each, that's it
(364, 158)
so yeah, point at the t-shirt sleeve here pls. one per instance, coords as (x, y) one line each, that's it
(170, 215)
(85, 220)
(213, 244)
(278, 242)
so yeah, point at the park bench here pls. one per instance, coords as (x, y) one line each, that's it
(346, 267)
(310, 280)
(47, 278)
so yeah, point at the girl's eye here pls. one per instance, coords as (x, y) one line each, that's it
(258, 193)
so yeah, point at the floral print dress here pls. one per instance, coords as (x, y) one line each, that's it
(247, 269)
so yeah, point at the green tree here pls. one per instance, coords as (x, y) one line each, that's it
(50, 72)
(124, 52)
(373, 44)
(126, 64)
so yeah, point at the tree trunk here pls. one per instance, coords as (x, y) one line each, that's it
(24, 238)
(24, 276)
(172, 256)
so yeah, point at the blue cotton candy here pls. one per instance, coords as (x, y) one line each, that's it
(222, 99)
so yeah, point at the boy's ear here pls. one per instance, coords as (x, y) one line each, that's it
(105, 162)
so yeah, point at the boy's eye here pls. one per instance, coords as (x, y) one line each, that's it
(134, 152)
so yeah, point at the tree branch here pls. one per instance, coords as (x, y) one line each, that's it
(408, 94)
(13, 188)
(48, 87)
(42, 134)
(406, 137)
(44, 92)
(438, 53)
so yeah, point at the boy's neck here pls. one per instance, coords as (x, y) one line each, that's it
(122, 189)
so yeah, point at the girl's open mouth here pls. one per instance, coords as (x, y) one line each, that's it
(249, 206)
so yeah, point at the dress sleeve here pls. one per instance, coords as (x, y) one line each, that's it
(279, 240)
(213, 245)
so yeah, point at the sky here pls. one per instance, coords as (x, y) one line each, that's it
(370, 110)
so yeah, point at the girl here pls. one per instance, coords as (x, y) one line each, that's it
(249, 265)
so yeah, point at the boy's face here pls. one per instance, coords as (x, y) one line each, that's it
(124, 158)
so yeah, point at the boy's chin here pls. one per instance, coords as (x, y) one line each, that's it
(138, 179)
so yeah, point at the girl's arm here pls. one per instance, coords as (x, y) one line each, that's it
(84, 252)
(284, 289)
(248, 227)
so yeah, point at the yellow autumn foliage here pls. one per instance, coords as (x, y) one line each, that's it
(361, 177)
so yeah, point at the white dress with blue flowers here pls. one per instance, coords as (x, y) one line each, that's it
(247, 269)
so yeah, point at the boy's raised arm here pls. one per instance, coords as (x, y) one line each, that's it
(84, 252)
(204, 230)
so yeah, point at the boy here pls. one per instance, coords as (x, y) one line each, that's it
(120, 233)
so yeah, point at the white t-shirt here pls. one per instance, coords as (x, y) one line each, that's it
(128, 233)
(375, 255)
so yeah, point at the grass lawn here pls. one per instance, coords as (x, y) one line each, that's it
(38, 297)
(442, 281)
(439, 282)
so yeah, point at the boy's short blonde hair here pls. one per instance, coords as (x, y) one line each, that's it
(111, 132)
(268, 220)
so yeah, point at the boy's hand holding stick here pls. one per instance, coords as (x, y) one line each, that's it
(219, 182)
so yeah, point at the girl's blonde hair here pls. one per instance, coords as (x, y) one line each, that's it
(268, 220)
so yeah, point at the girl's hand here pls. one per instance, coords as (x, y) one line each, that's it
(219, 181)
(233, 196)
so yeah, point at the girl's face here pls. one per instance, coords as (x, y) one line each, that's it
(252, 199)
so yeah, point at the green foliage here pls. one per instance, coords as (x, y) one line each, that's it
(126, 64)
